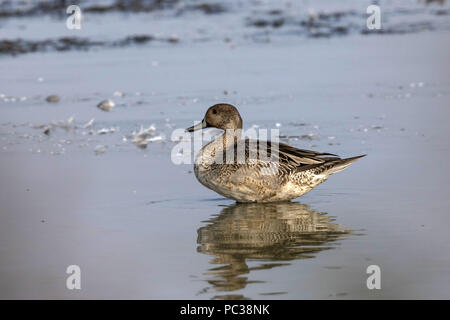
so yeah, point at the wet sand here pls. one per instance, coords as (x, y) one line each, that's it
(141, 227)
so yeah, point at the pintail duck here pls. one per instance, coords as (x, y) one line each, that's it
(249, 170)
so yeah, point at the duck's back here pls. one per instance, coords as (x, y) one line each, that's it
(255, 171)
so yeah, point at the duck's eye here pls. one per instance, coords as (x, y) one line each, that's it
(214, 111)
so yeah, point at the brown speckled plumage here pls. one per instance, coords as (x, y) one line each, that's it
(265, 172)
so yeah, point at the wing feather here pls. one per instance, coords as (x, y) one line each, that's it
(286, 155)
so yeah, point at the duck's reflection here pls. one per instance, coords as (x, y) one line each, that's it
(274, 232)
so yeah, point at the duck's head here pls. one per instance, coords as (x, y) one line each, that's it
(221, 116)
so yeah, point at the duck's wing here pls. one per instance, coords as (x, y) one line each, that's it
(302, 156)
(286, 155)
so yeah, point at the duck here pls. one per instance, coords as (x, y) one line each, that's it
(251, 170)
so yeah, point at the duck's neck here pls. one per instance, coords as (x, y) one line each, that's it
(230, 138)
(217, 149)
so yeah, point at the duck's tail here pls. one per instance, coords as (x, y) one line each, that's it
(341, 164)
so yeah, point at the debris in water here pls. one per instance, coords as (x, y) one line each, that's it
(106, 130)
(299, 124)
(67, 125)
(142, 137)
(88, 124)
(309, 136)
(157, 138)
(52, 98)
(173, 38)
(106, 105)
(100, 149)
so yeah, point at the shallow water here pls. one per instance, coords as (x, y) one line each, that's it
(141, 227)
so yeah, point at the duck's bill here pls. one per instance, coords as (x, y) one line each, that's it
(198, 126)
